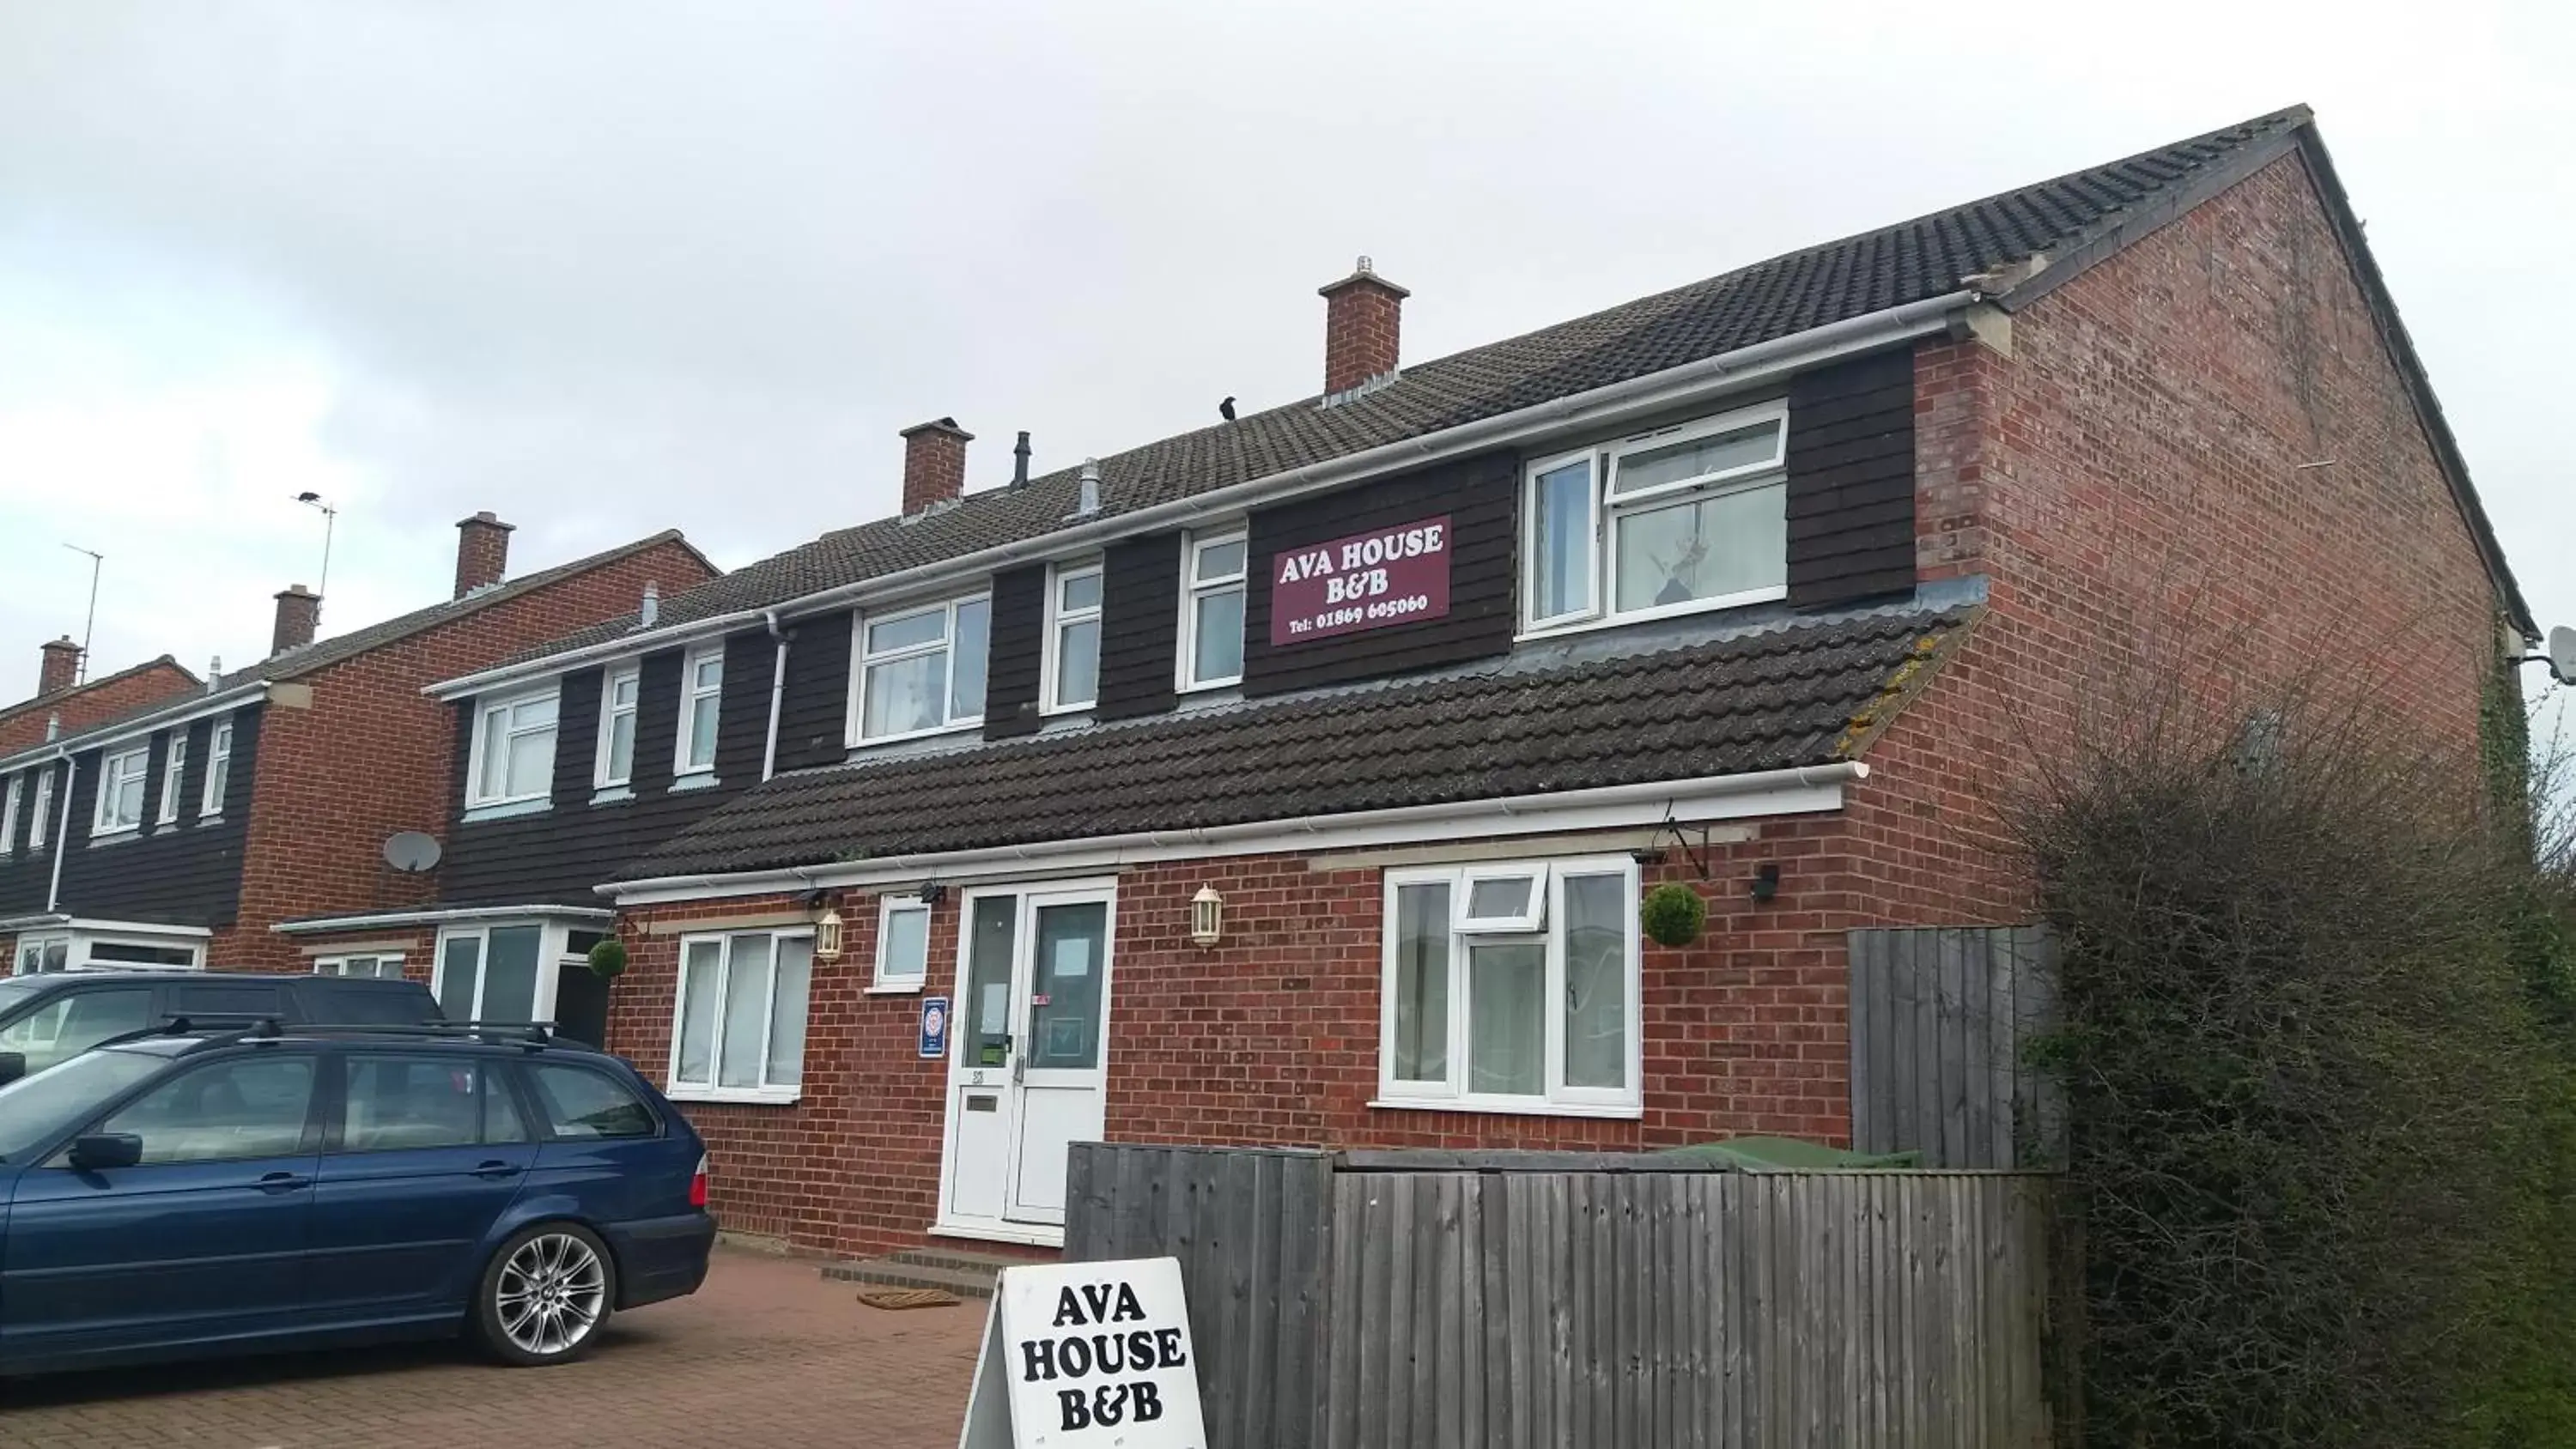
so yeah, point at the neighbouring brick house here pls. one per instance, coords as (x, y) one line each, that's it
(177, 830)
(62, 706)
(1297, 780)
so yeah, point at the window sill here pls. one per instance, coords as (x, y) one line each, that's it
(1492, 1107)
(1533, 633)
(612, 794)
(700, 780)
(860, 749)
(1203, 686)
(115, 837)
(736, 1096)
(505, 809)
(208, 820)
(895, 988)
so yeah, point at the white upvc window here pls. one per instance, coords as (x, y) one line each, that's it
(738, 1029)
(40, 954)
(1512, 988)
(1212, 588)
(174, 769)
(514, 748)
(619, 695)
(920, 670)
(493, 972)
(701, 704)
(219, 770)
(41, 818)
(903, 943)
(9, 801)
(121, 779)
(1674, 521)
(1073, 637)
(365, 964)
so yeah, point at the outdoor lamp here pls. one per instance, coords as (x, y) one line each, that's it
(1207, 912)
(827, 936)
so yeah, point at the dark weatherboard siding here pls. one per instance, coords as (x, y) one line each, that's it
(1140, 626)
(1851, 481)
(813, 715)
(559, 854)
(187, 873)
(1478, 496)
(1017, 659)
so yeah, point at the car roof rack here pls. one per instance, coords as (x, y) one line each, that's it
(228, 1028)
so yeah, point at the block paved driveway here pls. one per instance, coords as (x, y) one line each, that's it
(766, 1356)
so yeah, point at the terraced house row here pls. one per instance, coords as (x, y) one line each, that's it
(1299, 779)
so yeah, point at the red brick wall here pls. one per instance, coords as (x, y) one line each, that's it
(84, 707)
(370, 756)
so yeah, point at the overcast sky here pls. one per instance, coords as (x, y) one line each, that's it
(611, 268)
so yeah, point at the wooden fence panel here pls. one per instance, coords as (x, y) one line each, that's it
(1940, 1022)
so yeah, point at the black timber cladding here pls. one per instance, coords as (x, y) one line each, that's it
(186, 873)
(1851, 480)
(1140, 626)
(556, 855)
(813, 715)
(1016, 662)
(1477, 494)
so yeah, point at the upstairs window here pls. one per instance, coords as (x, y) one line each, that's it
(1212, 581)
(701, 697)
(174, 768)
(1073, 640)
(514, 749)
(9, 814)
(120, 791)
(219, 769)
(1682, 519)
(618, 696)
(41, 818)
(921, 670)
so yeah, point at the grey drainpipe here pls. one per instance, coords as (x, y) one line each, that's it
(62, 836)
(777, 691)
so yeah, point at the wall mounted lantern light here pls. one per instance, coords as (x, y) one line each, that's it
(1207, 916)
(827, 936)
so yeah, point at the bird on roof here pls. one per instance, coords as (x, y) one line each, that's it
(1225, 409)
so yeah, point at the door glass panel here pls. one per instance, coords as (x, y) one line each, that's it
(1596, 981)
(511, 992)
(1506, 1019)
(745, 1013)
(1422, 983)
(1064, 1001)
(787, 1013)
(397, 1103)
(252, 1107)
(457, 975)
(700, 978)
(988, 979)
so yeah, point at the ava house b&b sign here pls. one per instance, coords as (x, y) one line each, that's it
(1087, 1356)
(1367, 581)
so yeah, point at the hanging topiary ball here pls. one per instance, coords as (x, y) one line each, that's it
(1673, 915)
(608, 958)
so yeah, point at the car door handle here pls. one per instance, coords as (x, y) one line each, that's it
(282, 1181)
(497, 1170)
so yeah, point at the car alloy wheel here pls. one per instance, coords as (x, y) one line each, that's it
(550, 1293)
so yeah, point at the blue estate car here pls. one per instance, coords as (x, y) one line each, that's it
(191, 1193)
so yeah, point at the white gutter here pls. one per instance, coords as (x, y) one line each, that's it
(1804, 789)
(62, 833)
(90, 925)
(333, 924)
(1601, 406)
(101, 736)
(777, 695)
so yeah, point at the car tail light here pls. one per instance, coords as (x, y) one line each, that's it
(698, 1184)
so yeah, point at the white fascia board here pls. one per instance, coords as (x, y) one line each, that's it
(178, 713)
(1806, 790)
(1635, 398)
(327, 925)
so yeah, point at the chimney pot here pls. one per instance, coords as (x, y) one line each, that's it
(1087, 501)
(482, 552)
(299, 612)
(651, 611)
(1020, 461)
(934, 463)
(1363, 324)
(61, 667)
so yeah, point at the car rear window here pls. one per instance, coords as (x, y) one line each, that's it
(223, 998)
(579, 1102)
(362, 1003)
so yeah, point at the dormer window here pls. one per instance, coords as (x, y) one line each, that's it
(514, 749)
(1212, 582)
(920, 670)
(120, 791)
(1674, 521)
(1073, 638)
(701, 698)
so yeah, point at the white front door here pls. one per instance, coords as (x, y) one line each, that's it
(1028, 1055)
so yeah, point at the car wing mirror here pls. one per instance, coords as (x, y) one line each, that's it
(100, 1151)
(13, 1065)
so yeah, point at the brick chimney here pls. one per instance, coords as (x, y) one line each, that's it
(61, 669)
(482, 552)
(934, 463)
(299, 612)
(1363, 318)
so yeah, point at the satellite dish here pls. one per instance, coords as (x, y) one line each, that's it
(2562, 654)
(410, 852)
